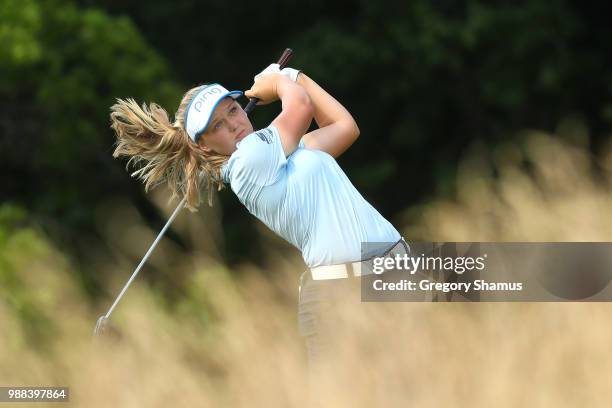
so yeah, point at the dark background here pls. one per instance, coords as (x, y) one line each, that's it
(424, 80)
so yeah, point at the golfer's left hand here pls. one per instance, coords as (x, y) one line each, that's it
(270, 69)
(290, 73)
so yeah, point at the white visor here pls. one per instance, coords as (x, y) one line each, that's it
(202, 107)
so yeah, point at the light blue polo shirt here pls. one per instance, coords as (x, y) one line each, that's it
(305, 198)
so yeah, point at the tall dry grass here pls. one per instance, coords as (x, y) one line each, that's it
(233, 342)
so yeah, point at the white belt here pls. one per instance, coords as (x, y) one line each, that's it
(336, 271)
(345, 270)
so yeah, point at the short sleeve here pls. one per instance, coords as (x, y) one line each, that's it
(258, 160)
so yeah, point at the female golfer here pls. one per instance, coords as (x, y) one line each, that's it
(284, 176)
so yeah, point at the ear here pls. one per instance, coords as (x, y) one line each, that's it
(203, 147)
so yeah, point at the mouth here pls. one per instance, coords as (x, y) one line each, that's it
(241, 135)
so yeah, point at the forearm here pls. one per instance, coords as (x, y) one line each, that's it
(296, 115)
(327, 110)
(293, 96)
(337, 129)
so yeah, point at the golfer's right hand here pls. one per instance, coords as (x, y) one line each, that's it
(265, 88)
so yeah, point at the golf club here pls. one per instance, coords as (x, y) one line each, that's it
(102, 322)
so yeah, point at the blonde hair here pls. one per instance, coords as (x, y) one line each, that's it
(164, 151)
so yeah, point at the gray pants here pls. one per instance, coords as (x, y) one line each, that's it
(316, 318)
(318, 302)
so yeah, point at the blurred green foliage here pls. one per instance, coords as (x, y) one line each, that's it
(424, 79)
(62, 67)
(19, 245)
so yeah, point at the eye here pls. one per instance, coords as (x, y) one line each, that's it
(234, 110)
(217, 125)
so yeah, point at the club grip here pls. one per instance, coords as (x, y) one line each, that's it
(282, 62)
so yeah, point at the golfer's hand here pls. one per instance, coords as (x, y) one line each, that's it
(290, 73)
(270, 69)
(265, 88)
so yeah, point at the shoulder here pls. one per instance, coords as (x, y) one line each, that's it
(258, 158)
(258, 147)
(257, 141)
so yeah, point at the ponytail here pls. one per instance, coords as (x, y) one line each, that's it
(163, 151)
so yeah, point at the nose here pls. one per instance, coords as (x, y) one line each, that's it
(233, 125)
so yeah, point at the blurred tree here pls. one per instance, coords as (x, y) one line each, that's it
(61, 69)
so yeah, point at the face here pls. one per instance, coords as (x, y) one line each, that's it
(228, 125)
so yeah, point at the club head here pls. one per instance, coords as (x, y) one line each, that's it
(106, 331)
(100, 326)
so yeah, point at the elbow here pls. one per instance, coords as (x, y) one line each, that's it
(351, 130)
(356, 131)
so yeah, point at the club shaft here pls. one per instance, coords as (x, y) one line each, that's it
(144, 259)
